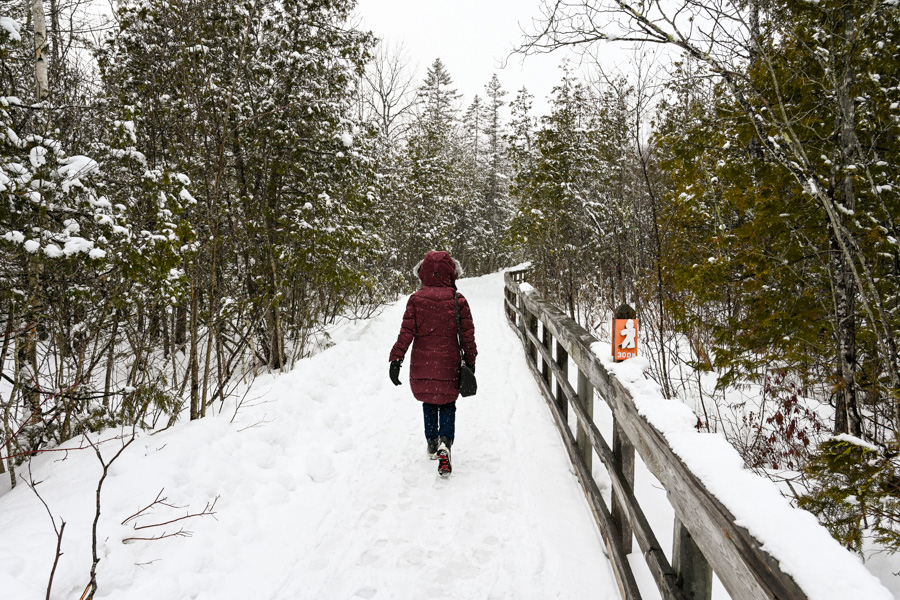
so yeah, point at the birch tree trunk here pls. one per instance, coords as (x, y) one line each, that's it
(42, 85)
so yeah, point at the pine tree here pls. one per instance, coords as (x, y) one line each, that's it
(282, 193)
(431, 198)
(497, 200)
(551, 194)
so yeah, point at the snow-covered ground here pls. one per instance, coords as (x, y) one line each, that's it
(325, 492)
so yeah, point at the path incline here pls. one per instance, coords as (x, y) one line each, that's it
(326, 492)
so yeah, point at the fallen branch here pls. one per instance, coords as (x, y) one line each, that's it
(208, 511)
(158, 500)
(259, 423)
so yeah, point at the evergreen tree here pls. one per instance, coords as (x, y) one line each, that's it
(793, 299)
(88, 235)
(431, 199)
(552, 191)
(497, 200)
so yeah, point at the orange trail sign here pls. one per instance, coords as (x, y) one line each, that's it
(625, 338)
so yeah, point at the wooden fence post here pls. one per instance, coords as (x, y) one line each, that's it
(522, 312)
(533, 352)
(562, 359)
(623, 460)
(691, 568)
(586, 397)
(545, 365)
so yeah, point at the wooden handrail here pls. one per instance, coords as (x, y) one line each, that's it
(706, 536)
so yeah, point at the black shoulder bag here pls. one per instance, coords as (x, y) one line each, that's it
(467, 384)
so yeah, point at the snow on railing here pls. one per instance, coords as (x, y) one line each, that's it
(727, 519)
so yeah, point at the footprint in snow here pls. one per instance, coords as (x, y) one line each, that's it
(330, 419)
(372, 555)
(319, 467)
(343, 444)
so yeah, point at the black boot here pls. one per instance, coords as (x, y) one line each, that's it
(443, 455)
(433, 448)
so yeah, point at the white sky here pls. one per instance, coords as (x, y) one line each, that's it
(473, 38)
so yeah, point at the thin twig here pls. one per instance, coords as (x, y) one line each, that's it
(59, 532)
(158, 500)
(207, 511)
(179, 533)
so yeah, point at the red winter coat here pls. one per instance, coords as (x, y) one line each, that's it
(429, 323)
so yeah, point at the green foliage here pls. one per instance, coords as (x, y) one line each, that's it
(855, 488)
(202, 205)
(283, 184)
(749, 245)
(754, 260)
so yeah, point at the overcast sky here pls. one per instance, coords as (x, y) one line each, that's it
(473, 38)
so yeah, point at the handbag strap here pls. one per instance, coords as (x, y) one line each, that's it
(458, 333)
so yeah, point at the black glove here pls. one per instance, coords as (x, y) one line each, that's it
(471, 367)
(395, 371)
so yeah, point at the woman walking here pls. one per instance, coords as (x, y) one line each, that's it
(430, 325)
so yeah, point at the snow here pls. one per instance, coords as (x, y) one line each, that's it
(38, 156)
(322, 489)
(811, 185)
(32, 246)
(804, 549)
(852, 439)
(75, 244)
(844, 209)
(76, 166)
(14, 236)
(186, 196)
(11, 27)
(325, 491)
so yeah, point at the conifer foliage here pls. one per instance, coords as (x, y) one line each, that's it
(201, 218)
(446, 180)
(774, 218)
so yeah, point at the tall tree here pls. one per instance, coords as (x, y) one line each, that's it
(828, 57)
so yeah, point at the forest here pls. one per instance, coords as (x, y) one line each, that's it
(194, 191)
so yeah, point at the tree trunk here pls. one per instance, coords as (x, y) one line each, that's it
(110, 360)
(195, 368)
(180, 326)
(42, 85)
(846, 418)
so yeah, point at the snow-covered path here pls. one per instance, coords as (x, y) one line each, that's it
(326, 492)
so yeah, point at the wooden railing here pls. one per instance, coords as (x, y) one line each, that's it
(706, 536)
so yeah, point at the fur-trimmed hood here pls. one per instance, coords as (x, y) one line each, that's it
(438, 269)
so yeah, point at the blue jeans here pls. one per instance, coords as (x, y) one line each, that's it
(440, 420)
